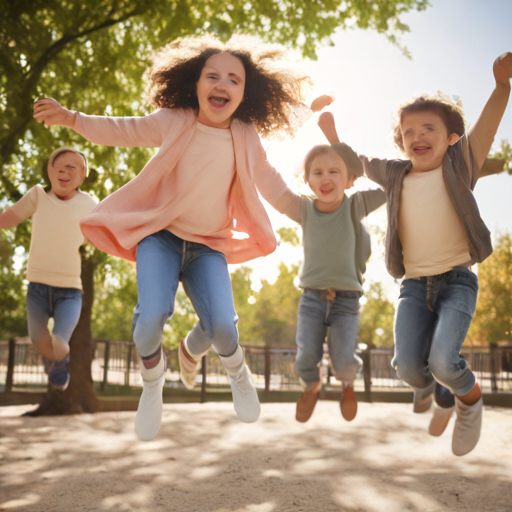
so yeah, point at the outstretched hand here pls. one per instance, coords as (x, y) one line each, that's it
(321, 102)
(502, 68)
(52, 113)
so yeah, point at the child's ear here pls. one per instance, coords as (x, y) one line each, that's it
(351, 181)
(453, 139)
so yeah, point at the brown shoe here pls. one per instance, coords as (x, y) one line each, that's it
(348, 403)
(307, 401)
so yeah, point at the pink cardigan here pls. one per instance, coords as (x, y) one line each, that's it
(149, 202)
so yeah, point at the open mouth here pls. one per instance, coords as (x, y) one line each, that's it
(218, 101)
(326, 190)
(421, 150)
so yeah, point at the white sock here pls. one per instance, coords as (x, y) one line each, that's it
(152, 374)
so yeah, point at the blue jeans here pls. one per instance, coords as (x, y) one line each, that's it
(43, 302)
(315, 315)
(163, 260)
(431, 322)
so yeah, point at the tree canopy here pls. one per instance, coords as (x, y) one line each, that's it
(91, 56)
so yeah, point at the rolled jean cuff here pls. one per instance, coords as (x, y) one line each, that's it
(466, 387)
(347, 374)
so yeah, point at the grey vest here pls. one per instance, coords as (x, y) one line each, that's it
(459, 181)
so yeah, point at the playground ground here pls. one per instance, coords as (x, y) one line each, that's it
(205, 460)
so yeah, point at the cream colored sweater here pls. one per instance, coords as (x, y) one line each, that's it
(54, 258)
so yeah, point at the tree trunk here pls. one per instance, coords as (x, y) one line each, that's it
(80, 396)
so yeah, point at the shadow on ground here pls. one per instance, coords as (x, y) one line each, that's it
(205, 460)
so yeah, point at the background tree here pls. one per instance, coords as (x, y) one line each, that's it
(376, 318)
(493, 318)
(91, 56)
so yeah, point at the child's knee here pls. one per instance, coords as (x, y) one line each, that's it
(413, 373)
(148, 329)
(224, 337)
(223, 330)
(40, 336)
(307, 360)
(446, 371)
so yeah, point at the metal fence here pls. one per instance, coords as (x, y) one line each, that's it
(116, 363)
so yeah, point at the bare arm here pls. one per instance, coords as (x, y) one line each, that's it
(141, 131)
(276, 192)
(8, 219)
(19, 211)
(481, 134)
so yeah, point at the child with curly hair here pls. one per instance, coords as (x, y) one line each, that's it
(194, 207)
(434, 235)
(54, 264)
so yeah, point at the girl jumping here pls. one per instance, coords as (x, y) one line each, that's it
(194, 207)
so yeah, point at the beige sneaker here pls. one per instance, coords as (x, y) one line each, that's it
(467, 426)
(440, 420)
(307, 401)
(189, 366)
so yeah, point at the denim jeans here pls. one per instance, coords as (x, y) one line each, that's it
(43, 302)
(163, 259)
(429, 333)
(316, 314)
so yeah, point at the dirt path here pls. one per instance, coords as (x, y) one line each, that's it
(205, 460)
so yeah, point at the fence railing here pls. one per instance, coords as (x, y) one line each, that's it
(116, 363)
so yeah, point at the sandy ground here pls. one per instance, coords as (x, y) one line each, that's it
(205, 460)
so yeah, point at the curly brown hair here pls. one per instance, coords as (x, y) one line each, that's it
(273, 95)
(447, 110)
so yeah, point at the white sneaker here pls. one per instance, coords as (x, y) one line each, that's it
(149, 413)
(245, 397)
(440, 420)
(467, 426)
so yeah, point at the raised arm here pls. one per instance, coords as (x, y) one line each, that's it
(374, 168)
(141, 131)
(481, 134)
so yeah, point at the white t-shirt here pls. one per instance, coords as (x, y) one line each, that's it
(432, 235)
(54, 257)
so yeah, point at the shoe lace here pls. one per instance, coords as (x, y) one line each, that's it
(242, 379)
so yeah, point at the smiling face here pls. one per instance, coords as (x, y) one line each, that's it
(328, 179)
(425, 140)
(66, 174)
(220, 89)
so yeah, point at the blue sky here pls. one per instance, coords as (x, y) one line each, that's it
(453, 46)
